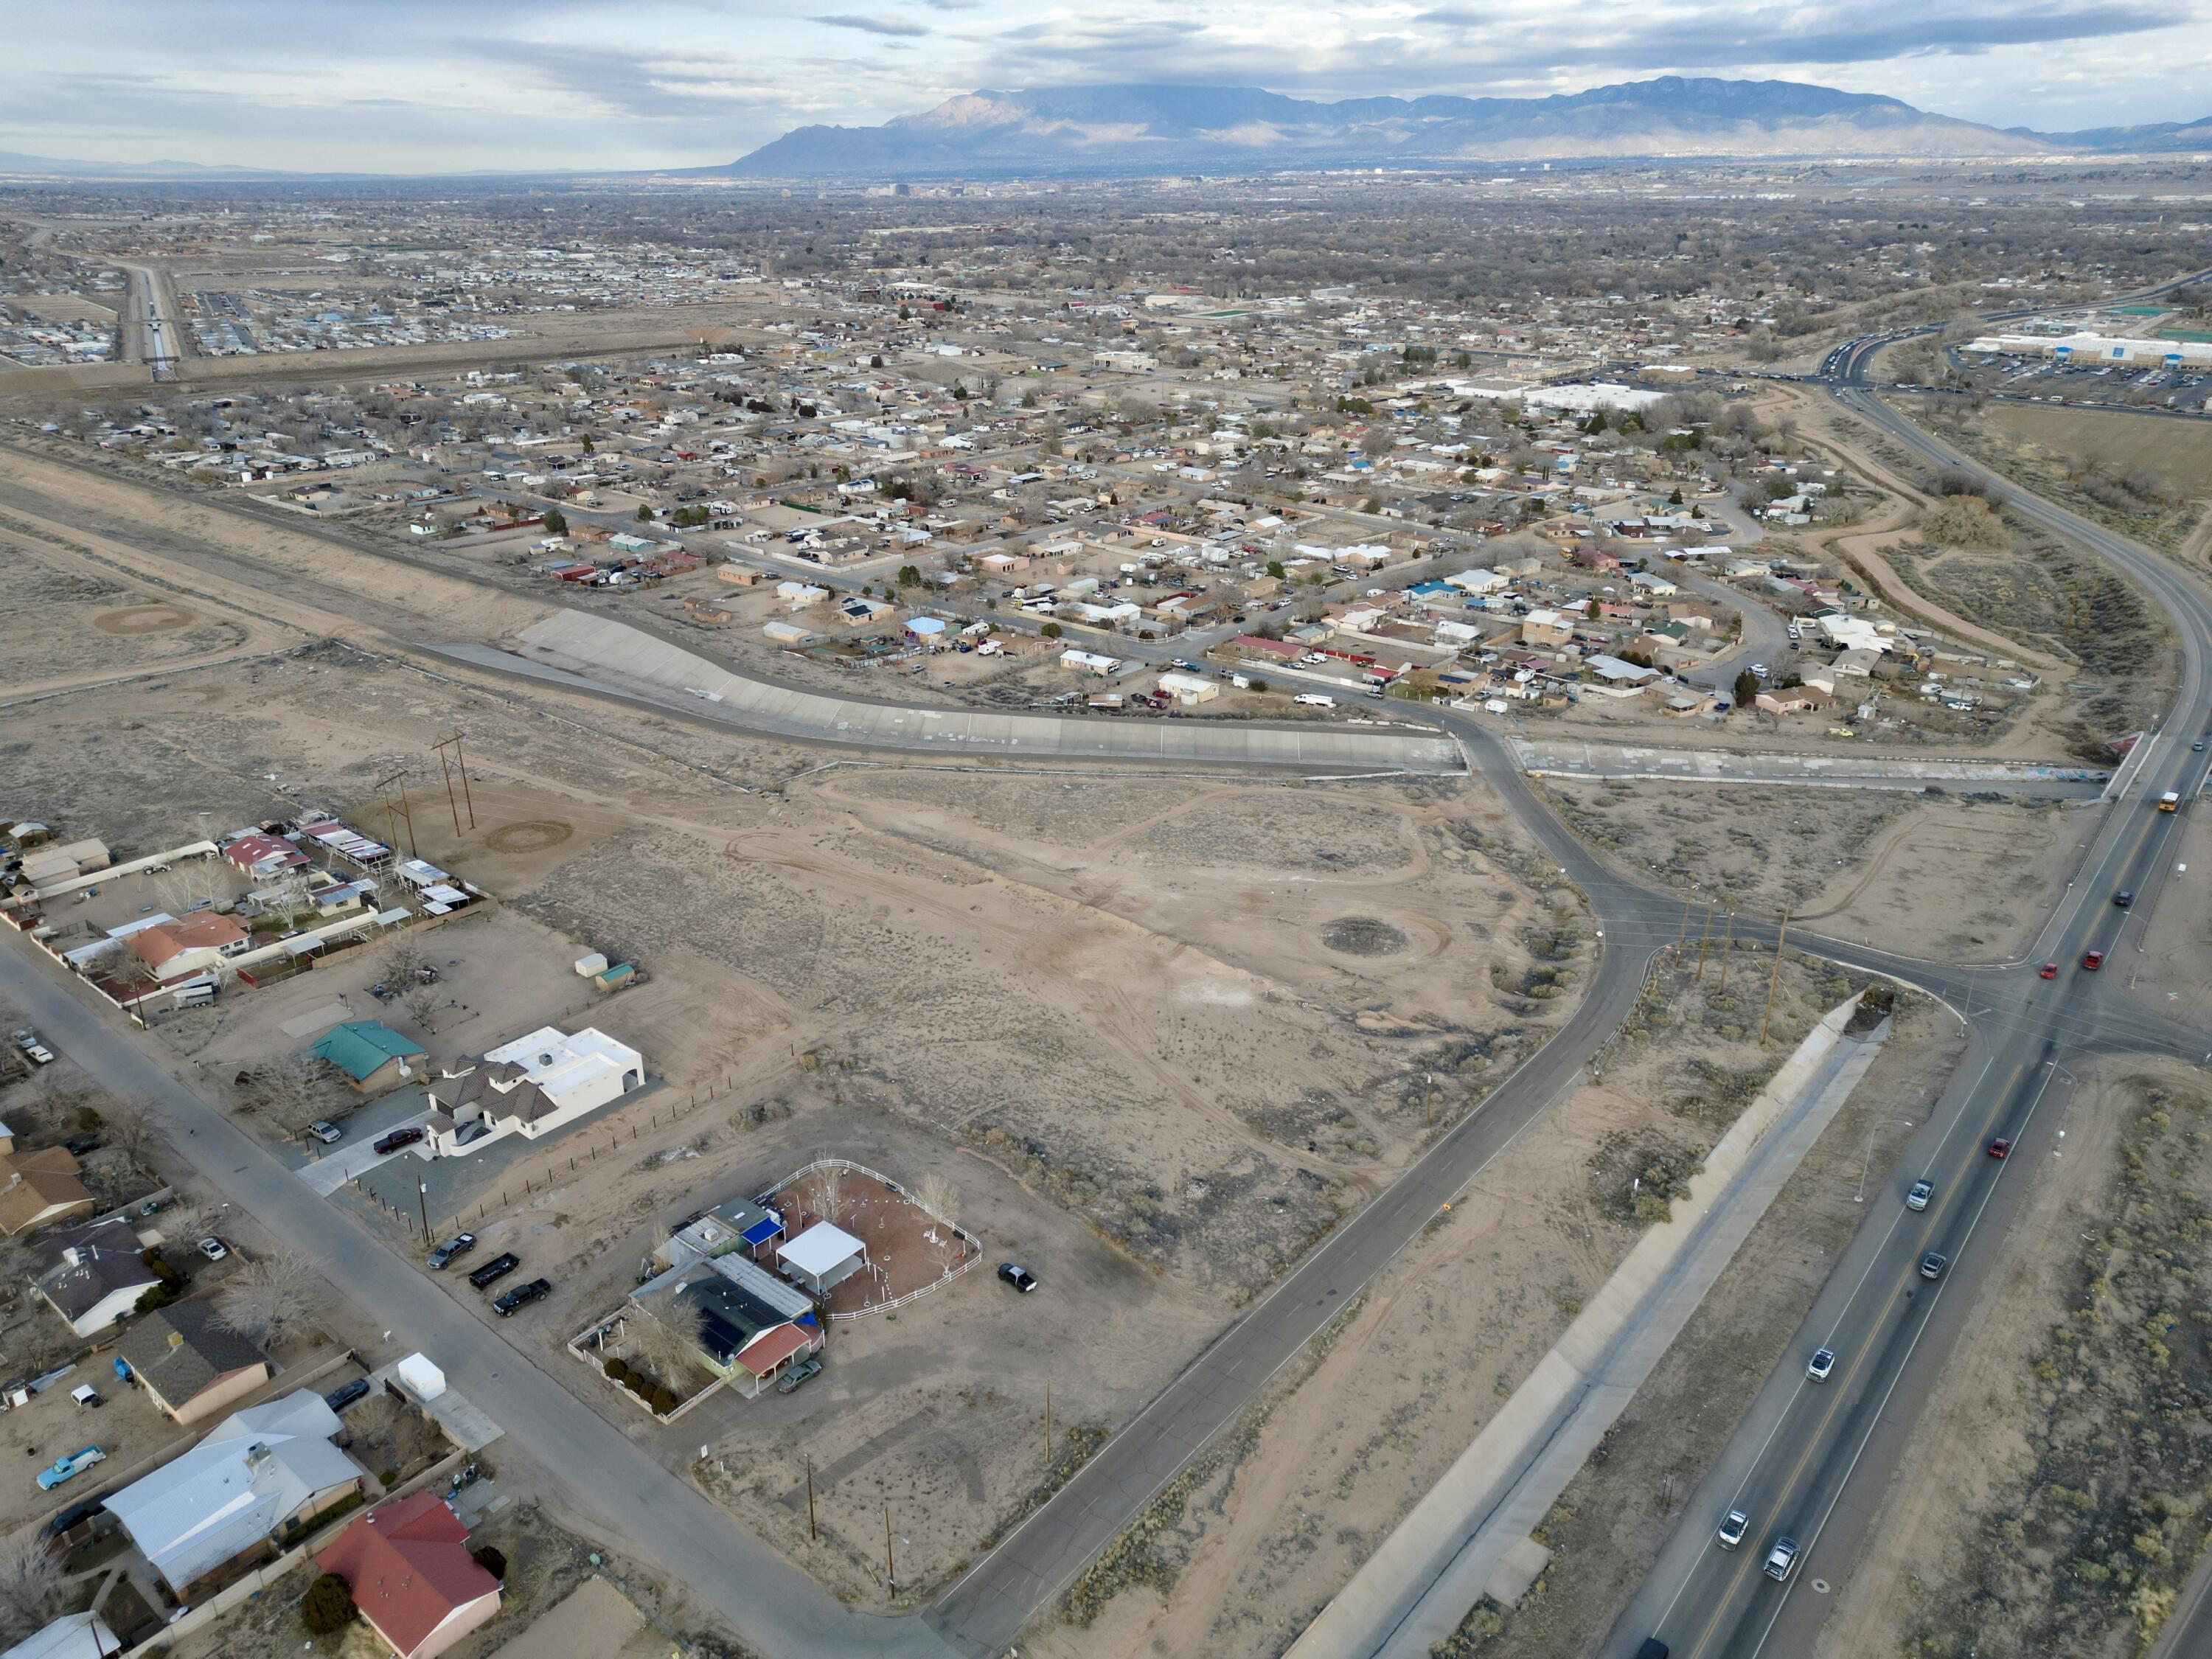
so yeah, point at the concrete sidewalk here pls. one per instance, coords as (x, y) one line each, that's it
(1468, 1536)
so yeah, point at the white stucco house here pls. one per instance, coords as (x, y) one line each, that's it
(531, 1086)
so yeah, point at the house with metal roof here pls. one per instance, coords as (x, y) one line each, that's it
(258, 1479)
(745, 1323)
(372, 1056)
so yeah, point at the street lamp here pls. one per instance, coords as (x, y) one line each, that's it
(1867, 1160)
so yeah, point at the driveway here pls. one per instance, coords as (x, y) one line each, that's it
(327, 1174)
(773, 1606)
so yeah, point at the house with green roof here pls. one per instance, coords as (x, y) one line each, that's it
(373, 1056)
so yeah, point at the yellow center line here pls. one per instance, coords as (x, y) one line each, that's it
(1837, 1400)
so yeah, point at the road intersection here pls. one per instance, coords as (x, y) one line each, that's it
(1803, 1462)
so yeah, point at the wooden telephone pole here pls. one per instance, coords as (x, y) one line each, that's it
(812, 1535)
(1727, 939)
(1706, 940)
(1048, 1428)
(1774, 978)
(462, 766)
(406, 813)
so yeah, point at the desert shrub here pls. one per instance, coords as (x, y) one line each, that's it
(327, 1607)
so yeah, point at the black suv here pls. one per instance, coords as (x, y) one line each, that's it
(495, 1270)
(522, 1296)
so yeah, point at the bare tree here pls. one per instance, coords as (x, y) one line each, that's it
(190, 886)
(402, 958)
(829, 1190)
(668, 1343)
(140, 1128)
(284, 1084)
(935, 1194)
(30, 1580)
(287, 896)
(272, 1297)
(423, 1009)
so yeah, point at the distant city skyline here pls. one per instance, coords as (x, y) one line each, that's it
(425, 86)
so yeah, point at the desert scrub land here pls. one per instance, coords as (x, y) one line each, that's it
(2051, 1499)
(1234, 1560)
(2085, 1545)
(2142, 475)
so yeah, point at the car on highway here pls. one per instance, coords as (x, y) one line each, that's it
(346, 1393)
(2000, 1147)
(495, 1269)
(521, 1296)
(1018, 1276)
(1821, 1366)
(2123, 898)
(1733, 1527)
(1781, 1558)
(459, 1244)
(326, 1132)
(2198, 747)
(68, 1466)
(1932, 1264)
(398, 1138)
(1922, 1191)
(2049, 970)
(2092, 960)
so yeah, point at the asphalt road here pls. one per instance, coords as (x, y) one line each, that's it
(1832, 1452)
(1811, 1461)
(773, 1605)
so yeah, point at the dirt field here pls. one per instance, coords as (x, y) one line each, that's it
(70, 622)
(1946, 876)
(1274, 1528)
(2011, 1434)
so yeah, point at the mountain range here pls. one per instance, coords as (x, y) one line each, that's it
(1152, 129)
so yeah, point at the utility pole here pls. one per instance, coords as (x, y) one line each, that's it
(1774, 978)
(406, 813)
(446, 772)
(811, 1534)
(423, 1202)
(890, 1567)
(1726, 940)
(1048, 1428)
(1703, 943)
(1683, 932)
(460, 765)
(1428, 1092)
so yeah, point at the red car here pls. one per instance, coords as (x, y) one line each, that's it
(2000, 1146)
(2049, 970)
(2094, 961)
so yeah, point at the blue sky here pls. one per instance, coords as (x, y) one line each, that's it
(409, 86)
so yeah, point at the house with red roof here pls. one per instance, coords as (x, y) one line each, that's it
(412, 1577)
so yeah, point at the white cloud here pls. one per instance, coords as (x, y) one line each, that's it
(427, 86)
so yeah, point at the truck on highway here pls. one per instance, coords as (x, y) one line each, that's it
(2170, 801)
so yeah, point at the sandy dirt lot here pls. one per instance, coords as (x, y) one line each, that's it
(1940, 876)
(70, 623)
(1274, 1527)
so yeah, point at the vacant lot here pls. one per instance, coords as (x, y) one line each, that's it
(1238, 1562)
(1928, 874)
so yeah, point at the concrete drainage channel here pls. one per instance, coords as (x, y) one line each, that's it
(595, 654)
(1468, 1536)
